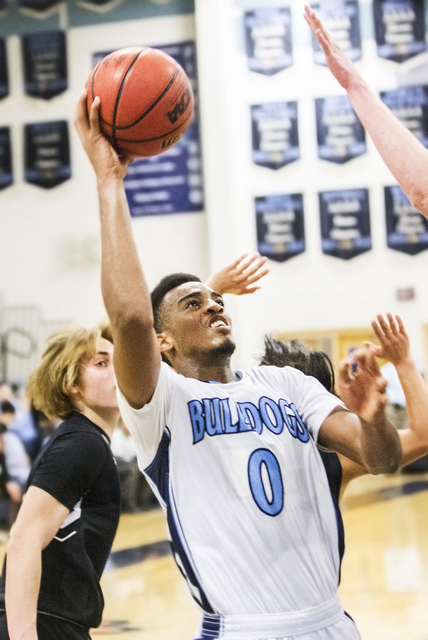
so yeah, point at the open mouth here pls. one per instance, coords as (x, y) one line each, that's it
(218, 323)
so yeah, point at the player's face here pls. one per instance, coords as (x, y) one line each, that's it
(97, 384)
(197, 321)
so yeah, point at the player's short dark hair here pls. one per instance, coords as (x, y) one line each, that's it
(159, 292)
(293, 353)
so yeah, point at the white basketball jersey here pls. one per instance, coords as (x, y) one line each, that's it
(250, 514)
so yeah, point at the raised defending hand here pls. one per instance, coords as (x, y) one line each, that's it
(394, 341)
(238, 277)
(361, 385)
(103, 157)
(339, 64)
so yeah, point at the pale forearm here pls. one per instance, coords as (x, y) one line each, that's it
(404, 155)
(23, 575)
(416, 393)
(380, 445)
(124, 288)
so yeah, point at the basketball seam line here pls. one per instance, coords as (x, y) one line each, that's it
(119, 93)
(157, 137)
(152, 106)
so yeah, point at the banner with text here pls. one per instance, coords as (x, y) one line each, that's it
(173, 181)
(345, 223)
(406, 228)
(341, 18)
(4, 75)
(268, 40)
(341, 136)
(399, 28)
(47, 153)
(45, 64)
(410, 105)
(275, 134)
(6, 172)
(280, 226)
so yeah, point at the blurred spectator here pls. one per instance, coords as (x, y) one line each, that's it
(396, 407)
(17, 460)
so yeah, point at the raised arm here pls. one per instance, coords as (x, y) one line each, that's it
(125, 291)
(404, 155)
(39, 518)
(365, 436)
(239, 276)
(395, 347)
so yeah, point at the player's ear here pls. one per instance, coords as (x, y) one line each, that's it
(165, 342)
(74, 396)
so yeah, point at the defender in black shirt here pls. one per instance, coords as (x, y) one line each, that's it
(59, 545)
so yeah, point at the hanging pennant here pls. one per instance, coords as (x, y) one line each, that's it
(342, 21)
(341, 136)
(173, 181)
(410, 105)
(399, 28)
(6, 174)
(4, 76)
(38, 5)
(275, 134)
(345, 222)
(45, 64)
(280, 226)
(406, 228)
(268, 40)
(47, 153)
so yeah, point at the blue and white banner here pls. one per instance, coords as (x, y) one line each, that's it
(4, 75)
(47, 153)
(406, 228)
(410, 105)
(280, 226)
(6, 172)
(345, 222)
(341, 136)
(38, 5)
(173, 181)
(275, 134)
(45, 64)
(399, 28)
(341, 19)
(268, 40)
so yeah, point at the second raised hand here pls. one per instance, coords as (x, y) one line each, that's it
(394, 341)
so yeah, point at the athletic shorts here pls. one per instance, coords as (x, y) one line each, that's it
(327, 621)
(49, 628)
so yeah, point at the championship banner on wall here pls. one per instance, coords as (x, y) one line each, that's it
(173, 181)
(406, 228)
(341, 19)
(268, 40)
(45, 64)
(399, 28)
(6, 173)
(341, 136)
(275, 134)
(4, 76)
(280, 226)
(38, 5)
(345, 222)
(410, 105)
(47, 153)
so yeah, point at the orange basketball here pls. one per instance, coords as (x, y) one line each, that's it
(146, 100)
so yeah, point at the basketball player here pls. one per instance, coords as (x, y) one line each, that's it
(394, 347)
(62, 537)
(231, 455)
(404, 155)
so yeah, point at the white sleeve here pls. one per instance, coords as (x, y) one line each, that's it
(147, 424)
(313, 402)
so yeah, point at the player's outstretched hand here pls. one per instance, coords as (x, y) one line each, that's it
(394, 341)
(361, 385)
(238, 277)
(338, 62)
(103, 157)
